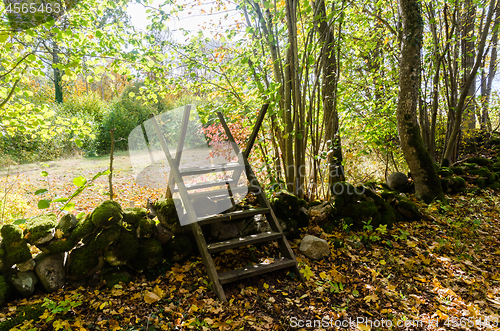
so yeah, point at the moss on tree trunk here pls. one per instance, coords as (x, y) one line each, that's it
(427, 184)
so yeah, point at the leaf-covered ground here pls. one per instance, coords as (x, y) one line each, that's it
(442, 272)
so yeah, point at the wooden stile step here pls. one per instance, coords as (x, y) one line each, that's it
(255, 270)
(213, 183)
(215, 194)
(232, 216)
(243, 241)
(210, 169)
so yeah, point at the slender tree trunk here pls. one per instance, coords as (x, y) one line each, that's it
(465, 88)
(427, 182)
(329, 92)
(468, 48)
(57, 74)
(487, 82)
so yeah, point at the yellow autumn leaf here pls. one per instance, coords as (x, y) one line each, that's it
(372, 298)
(382, 262)
(151, 297)
(266, 286)
(59, 234)
(363, 327)
(323, 275)
(158, 291)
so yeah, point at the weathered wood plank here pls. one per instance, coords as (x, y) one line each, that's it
(243, 241)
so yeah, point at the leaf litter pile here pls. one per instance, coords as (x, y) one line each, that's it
(438, 273)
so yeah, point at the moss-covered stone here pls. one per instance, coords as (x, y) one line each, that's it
(84, 261)
(67, 224)
(150, 254)
(145, 228)
(481, 182)
(23, 313)
(11, 233)
(17, 252)
(123, 250)
(178, 249)
(479, 161)
(166, 211)
(5, 290)
(105, 238)
(291, 211)
(445, 172)
(107, 214)
(40, 229)
(134, 214)
(408, 209)
(346, 191)
(495, 186)
(458, 171)
(116, 277)
(83, 229)
(58, 246)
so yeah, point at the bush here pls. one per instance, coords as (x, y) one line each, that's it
(124, 115)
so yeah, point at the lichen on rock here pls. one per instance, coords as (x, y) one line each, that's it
(40, 229)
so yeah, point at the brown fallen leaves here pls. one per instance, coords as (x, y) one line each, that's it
(442, 272)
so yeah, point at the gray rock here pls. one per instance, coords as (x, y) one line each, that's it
(247, 226)
(45, 239)
(321, 213)
(67, 223)
(24, 282)
(397, 181)
(26, 266)
(50, 271)
(224, 230)
(314, 248)
(163, 234)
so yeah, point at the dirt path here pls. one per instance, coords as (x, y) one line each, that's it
(18, 185)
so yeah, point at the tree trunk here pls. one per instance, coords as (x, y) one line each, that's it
(465, 88)
(57, 74)
(427, 183)
(329, 92)
(468, 48)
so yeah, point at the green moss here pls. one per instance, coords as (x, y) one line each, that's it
(347, 191)
(23, 313)
(40, 227)
(364, 209)
(145, 228)
(83, 229)
(5, 290)
(458, 171)
(166, 211)
(134, 215)
(459, 181)
(105, 238)
(495, 186)
(481, 172)
(17, 252)
(445, 172)
(408, 209)
(150, 254)
(11, 233)
(67, 223)
(114, 278)
(107, 214)
(479, 161)
(481, 182)
(178, 248)
(123, 250)
(59, 246)
(82, 261)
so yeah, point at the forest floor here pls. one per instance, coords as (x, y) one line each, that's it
(439, 273)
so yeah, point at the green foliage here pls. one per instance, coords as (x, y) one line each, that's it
(124, 115)
(63, 307)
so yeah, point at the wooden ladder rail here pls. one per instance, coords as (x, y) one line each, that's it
(283, 243)
(195, 227)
